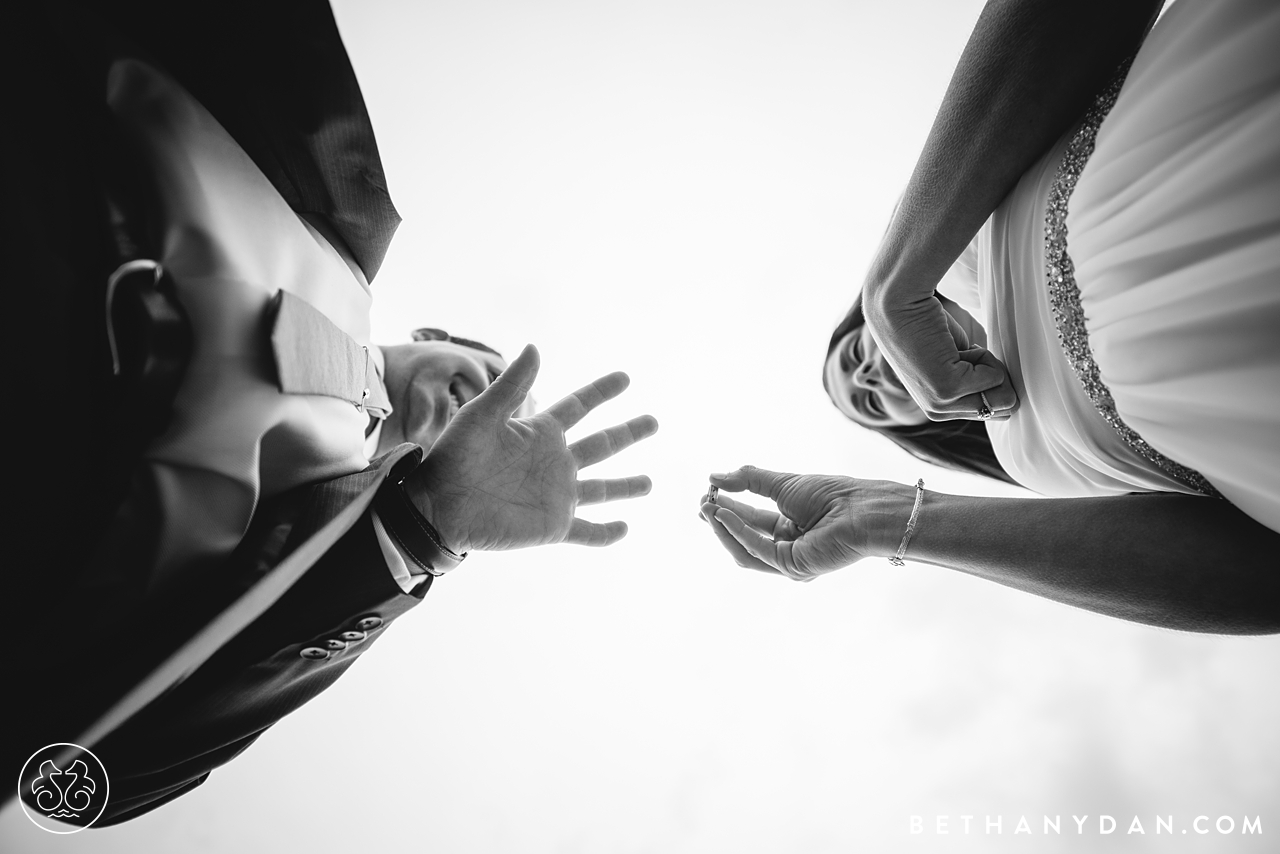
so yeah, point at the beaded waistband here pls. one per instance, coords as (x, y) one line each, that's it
(1064, 295)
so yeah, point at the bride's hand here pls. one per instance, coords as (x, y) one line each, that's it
(823, 522)
(946, 375)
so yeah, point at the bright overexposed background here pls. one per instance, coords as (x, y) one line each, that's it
(690, 190)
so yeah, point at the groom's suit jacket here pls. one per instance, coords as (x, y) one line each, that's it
(277, 77)
(284, 658)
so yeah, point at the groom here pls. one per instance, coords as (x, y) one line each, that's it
(166, 686)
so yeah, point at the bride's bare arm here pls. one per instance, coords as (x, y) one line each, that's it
(1177, 561)
(1028, 72)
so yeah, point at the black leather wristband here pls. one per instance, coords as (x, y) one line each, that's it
(413, 532)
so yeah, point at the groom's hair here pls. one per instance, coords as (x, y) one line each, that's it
(429, 333)
(956, 445)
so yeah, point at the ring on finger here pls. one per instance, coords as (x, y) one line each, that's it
(984, 411)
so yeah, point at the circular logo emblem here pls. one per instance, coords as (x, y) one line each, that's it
(63, 788)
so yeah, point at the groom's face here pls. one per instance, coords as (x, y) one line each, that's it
(428, 382)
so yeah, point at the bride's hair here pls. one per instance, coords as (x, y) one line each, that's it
(957, 445)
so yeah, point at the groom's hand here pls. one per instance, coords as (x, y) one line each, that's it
(493, 482)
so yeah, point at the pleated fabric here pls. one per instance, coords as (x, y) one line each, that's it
(1174, 231)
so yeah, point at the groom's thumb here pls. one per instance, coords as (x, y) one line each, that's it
(505, 395)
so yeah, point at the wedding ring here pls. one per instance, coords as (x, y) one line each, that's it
(984, 411)
(712, 492)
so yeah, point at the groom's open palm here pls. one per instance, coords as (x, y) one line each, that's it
(492, 481)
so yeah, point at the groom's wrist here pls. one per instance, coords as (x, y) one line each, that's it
(432, 509)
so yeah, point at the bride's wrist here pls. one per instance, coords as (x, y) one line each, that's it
(888, 519)
(883, 298)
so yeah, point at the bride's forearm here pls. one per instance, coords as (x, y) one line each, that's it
(1027, 73)
(1177, 561)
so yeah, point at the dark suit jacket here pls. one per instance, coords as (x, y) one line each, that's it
(277, 77)
(346, 600)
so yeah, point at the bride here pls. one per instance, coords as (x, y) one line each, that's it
(1079, 292)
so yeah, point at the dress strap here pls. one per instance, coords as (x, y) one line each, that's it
(1064, 295)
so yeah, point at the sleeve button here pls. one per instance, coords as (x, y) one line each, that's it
(353, 636)
(369, 623)
(314, 653)
(334, 644)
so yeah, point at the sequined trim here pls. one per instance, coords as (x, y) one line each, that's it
(1064, 296)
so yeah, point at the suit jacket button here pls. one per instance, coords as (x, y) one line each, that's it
(333, 644)
(353, 636)
(314, 653)
(369, 623)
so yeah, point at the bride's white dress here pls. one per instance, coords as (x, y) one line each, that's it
(1167, 374)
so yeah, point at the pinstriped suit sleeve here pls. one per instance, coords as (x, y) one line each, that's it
(263, 674)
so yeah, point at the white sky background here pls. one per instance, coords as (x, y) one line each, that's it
(690, 191)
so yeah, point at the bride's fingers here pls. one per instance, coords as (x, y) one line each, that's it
(757, 480)
(768, 522)
(762, 520)
(991, 404)
(958, 333)
(756, 544)
(780, 556)
(1002, 398)
(975, 407)
(731, 545)
(986, 409)
(980, 389)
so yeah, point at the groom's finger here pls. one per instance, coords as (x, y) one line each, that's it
(604, 444)
(586, 533)
(613, 489)
(505, 394)
(570, 410)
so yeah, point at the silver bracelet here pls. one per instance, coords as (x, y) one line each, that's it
(896, 560)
